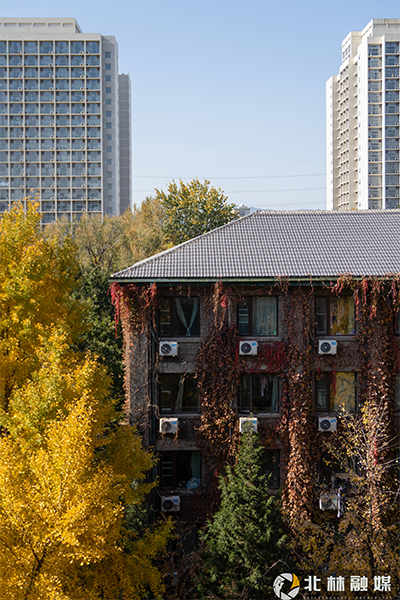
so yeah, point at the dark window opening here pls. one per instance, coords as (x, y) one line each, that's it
(179, 317)
(270, 466)
(258, 316)
(178, 393)
(258, 393)
(336, 391)
(335, 316)
(180, 470)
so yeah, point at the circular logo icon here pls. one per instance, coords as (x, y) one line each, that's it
(286, 586)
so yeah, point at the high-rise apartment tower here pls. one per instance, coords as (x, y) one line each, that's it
(60, 127)
(362, 104)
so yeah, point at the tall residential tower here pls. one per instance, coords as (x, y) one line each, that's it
(363, 120)
(60, 127)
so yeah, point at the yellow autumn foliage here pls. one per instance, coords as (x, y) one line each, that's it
(65, 475)
(68, 469)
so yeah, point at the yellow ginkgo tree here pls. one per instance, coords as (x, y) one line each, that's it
(66, 473)
(68, 467)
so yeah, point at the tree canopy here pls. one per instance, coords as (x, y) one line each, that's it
(69, 468)
(192, 209)
(243, 539)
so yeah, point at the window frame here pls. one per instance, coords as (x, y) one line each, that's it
(174, 323)
(174, 382)
(175, 454)
(252, 408)
(330, 393)
(328, 328)
(250, 300)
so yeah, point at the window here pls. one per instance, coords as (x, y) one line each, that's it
(108, 148)
(258, 393)
(179, 317)
(107, 54)
(258, 316)
(108, 113)
(178, 393)
(336, 391)
(108, 77)
(108, 101)
(108, 90)
(270, 466)
(108, 125)
(180, 470)
(397, 391)
(108, 66)
(108, 137)
(335, 316)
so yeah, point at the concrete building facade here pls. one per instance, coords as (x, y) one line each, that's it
(362, 106)
(60, 126)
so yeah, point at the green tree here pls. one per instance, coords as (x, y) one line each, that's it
(243, 540)
(192, 209)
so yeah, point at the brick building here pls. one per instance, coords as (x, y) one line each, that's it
(283, 318)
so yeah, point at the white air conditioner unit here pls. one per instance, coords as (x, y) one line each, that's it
(327, 346)
(327, 423)
(168, 349)
(82, 88)
(21, 186)
(19, 89)
(328, 501)
(82, 112)
(168, 425)
(51, 174)
(83, 159)
(52, 160)
(170, 503)
(83, 185)
(52, 186)
(51, 88)
(247, 424)
(248, 347)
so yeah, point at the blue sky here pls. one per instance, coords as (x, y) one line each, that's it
(229, 91)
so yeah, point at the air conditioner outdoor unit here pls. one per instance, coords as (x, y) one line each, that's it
(327, 424)
(168, 349)
(170, 503)
(248, 347)
(168, 425)
(83, 159)
(247, 424)
(83, 185)
(328, 501)
(327, 346)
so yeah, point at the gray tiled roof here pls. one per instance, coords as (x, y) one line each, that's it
(270, 244)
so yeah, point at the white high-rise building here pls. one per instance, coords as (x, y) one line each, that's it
(60, 128)
(362, 105)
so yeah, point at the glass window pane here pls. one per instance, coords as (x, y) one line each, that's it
(166, 393)
(397, 391)
(167, 470)
(186, 317)
(342, 316)
(322, 387)
(343, 391)
(265, 393)
(320, 310)
(186, 395)
(244, 396)
(270, 466)
(265, 316)
(244, 317)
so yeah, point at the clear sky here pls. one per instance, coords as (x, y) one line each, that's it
(229, 91)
